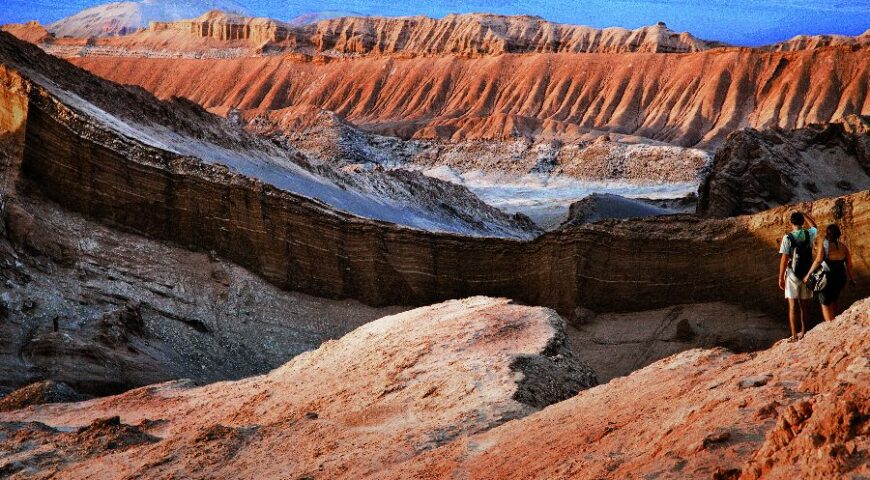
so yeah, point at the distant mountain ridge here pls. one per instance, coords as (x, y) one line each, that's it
(123, 18)
(477, 33)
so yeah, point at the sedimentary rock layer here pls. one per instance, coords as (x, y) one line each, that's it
(692, 99)
(757, 170)
(299, 244)
(379, 395)
(798, 410)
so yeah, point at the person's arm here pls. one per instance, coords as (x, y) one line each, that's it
(849, 270)
(819, 258)
(783, 261)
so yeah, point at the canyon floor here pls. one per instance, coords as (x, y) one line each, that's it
(469, 247)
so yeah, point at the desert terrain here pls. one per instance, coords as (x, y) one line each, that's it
(475, 246)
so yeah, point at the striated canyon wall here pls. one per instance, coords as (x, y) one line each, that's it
(487, 34)
(469, 35)
(688, 100)
(300, 244)
(225, 27)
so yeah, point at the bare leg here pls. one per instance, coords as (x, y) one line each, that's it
(805, 317)
(829, 312)
(792, 316)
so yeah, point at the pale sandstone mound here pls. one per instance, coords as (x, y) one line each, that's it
(798, 410)
(809, 42)
(124, 18)
(758, 170)
(687, 100)
(379, 396)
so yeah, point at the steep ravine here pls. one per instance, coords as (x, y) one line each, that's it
(302, 245)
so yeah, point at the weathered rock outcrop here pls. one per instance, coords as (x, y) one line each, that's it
(603, 206)
(798, 410)
(688, 100)
(378, 396)
(758, 170)
(809, 42)
(226, 27)
(439, 392)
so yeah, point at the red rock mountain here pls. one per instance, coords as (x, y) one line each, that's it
(691, 99)
(412, 76)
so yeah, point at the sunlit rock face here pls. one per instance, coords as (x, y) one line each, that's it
(380, 395)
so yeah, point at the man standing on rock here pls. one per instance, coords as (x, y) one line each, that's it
(796, 258)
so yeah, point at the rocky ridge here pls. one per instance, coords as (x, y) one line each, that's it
(443, 395)
(131, 122)
(758, 170)
(465, 35)
(380, 395)
(797, 410)
(809, 42)
(686, 100)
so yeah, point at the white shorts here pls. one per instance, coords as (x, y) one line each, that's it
(795, 288)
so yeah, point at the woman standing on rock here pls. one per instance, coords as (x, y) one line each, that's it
(838, 260)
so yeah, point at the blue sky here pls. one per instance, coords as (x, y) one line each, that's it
(743, 22)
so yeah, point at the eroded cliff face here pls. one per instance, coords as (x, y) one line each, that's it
(688, 100)
(469, 35)
(486, 34)
(302, 245)
(299, 243)
(757, 170)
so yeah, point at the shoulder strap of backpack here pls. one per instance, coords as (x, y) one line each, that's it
(792, 243)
